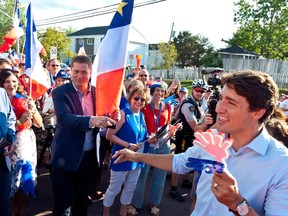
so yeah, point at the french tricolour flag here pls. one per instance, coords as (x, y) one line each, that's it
(39, 79)
(109, 64)
(17, 24)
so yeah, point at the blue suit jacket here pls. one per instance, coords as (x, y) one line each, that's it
(71, 128)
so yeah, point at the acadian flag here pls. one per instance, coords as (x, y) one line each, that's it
(109, 64)
(39, 80)
(16, 31)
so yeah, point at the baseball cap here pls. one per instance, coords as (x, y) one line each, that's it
(183, 89)
(61, 74)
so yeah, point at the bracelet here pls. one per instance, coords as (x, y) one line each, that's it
(129, 146)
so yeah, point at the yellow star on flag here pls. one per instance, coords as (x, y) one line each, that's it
(121, 5)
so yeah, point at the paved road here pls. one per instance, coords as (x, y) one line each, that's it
(42, 204)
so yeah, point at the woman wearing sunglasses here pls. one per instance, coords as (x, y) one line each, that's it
(157, 114)
(131, 133)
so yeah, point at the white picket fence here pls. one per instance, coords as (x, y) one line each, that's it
(277, 69)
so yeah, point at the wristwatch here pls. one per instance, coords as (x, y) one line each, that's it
(242, 208)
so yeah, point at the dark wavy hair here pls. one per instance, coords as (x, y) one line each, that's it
(257, 87)
(4, 74)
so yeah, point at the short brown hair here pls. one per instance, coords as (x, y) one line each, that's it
(141, 91)
(134, 83)
(82, 59)
(257, 87)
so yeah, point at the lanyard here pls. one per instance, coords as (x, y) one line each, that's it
(156, 119)
(138, 124)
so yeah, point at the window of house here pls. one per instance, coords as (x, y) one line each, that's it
(90, 41)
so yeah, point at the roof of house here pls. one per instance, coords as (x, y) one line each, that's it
(237, 49)
(135, 36)
(100, 30)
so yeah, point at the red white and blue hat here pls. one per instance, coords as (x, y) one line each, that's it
(157, 84)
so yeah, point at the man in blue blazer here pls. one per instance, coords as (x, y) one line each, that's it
(74, 145)
(7, 137)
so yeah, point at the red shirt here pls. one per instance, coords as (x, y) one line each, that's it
(152, 117)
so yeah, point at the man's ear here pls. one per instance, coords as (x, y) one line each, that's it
(259, 113)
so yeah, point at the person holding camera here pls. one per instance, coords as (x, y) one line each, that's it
(193, 118)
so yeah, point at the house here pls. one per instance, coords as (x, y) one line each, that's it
(237, 52)
(91, 38)
(155, 56)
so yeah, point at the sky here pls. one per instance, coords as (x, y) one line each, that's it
(209, 18)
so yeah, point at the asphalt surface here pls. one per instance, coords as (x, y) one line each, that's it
(43, 202)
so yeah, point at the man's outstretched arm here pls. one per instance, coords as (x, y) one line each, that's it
(163, 162)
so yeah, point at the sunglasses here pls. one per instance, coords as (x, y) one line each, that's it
(137, 98)
(143, 75)
(198, 90)
(54, 65)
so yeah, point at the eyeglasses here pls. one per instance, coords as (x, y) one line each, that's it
(143, 75)
(137, 98)
(54, 65)
(198, 90)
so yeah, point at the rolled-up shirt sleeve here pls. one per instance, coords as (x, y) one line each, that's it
(180, 160)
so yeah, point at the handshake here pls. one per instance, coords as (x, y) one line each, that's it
(105, 121)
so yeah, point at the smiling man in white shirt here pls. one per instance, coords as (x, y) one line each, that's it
(255, 180)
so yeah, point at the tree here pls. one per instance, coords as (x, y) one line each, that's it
(6, 18)
(211, 59)
(263, 27)
(191, 49)
(169, 55)
(57, 38)
(6, 10)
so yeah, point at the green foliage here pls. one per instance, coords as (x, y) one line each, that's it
(57, 38)
(6, 10)
(6, 19)
(169, 55)
(191, 49)
(211, 59)
(263, 27)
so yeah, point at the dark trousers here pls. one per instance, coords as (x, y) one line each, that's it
(5, 186)
(183, 141)
(71, 189)
(105, 145)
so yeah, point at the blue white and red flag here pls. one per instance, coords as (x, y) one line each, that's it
(109, 64)
(39, 79)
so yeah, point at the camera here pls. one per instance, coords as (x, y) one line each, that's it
(215, 84)
(214, 81)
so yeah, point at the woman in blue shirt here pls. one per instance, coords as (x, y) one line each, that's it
(131, 133)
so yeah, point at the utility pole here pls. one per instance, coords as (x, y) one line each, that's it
(172, 33)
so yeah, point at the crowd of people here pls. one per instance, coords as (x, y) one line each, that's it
(135, 141)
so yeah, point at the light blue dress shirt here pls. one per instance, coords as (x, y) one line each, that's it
(261, 171)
